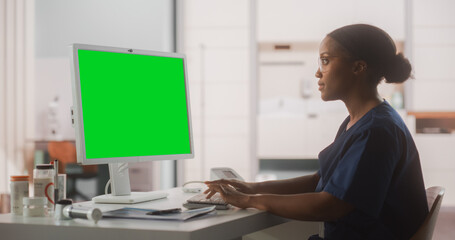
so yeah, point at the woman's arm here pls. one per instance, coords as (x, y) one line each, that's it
(320, 206)
(296, 185)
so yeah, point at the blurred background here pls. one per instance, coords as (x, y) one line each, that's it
(251, 64)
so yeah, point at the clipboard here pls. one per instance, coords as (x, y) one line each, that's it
(141, 213)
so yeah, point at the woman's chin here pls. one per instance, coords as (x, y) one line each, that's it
(324, 97)
(327, 98)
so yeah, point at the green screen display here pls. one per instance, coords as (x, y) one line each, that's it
(133, 105)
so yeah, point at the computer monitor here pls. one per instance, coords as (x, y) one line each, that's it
(129, 106)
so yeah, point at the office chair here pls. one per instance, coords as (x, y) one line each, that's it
(434, 199)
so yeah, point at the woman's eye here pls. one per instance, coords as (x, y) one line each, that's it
(324, 61)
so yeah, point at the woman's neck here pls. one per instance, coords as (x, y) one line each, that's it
(358, 106)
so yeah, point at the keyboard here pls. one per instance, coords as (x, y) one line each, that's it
(200, 201)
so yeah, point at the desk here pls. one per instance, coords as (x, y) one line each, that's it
(227, 224)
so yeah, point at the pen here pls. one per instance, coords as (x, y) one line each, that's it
(166, 211)
(56, 181)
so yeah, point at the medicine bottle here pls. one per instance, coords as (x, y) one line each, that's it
(35, 207)
(19, 190)
(43, 183)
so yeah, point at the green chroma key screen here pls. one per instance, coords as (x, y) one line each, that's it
(133, 105)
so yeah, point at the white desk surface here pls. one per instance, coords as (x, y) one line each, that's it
(226, 224)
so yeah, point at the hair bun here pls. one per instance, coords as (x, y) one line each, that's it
(398, 70)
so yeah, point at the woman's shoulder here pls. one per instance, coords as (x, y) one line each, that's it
(387, 116)
(384, 118)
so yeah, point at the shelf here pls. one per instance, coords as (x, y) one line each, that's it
(433, 115)
(288, 46)
(434, 122)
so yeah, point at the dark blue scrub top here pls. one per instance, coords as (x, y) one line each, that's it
(375, 167)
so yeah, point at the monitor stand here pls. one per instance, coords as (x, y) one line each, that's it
(121, 190)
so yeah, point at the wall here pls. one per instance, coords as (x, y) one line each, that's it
(433, 48)
(136, 24)
(217, 43)
(297, 20)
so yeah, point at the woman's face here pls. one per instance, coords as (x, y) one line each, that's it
(335, 72)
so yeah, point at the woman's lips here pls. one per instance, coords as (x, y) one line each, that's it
(321, 86)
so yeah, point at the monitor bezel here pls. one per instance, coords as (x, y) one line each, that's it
(77, 113)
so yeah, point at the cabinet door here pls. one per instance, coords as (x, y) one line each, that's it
(217, 43)
(216, 14)
(433, 29)
(433, 13)
(296, 137)
(436, 156)
(283, 138)
(388, 15)
(297, 20)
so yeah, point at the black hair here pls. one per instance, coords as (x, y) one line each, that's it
(374, 46)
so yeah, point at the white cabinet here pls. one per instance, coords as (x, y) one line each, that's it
(433, 95)
(217, 44)
(297, 136)
(305, 20)
(437, 155)
(388, 15)
(297, 20)
(433, 13)
(433, 48)
(216, 14)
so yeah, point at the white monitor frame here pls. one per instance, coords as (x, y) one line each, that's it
(77, 114)
(118, 170)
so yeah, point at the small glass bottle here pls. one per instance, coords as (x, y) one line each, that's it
(35, 207)
(43, 184)
(19, 190)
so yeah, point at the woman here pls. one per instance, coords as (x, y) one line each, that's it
(370, 183)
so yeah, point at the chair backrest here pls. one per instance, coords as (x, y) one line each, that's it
(434, 199)
(65, 152)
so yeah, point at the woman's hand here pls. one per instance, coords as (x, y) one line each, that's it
(244, 187)
(228, 193)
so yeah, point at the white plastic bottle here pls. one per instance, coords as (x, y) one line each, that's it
(43, 184)
(19, 190)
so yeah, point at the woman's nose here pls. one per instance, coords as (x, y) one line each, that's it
(318, 73)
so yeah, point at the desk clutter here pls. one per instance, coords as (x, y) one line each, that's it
(49, 200)
(45, 192)
(49, 193)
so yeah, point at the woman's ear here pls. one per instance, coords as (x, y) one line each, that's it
(360, 67)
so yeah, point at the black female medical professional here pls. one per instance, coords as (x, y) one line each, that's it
(370, 183)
